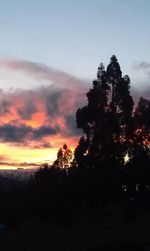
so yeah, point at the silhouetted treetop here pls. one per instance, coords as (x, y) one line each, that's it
(142, 113)
(114, 73)
(64, 157)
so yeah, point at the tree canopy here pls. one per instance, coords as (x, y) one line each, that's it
(113, 127)
(64, 157)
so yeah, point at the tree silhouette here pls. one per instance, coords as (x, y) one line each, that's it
(64, 157)
(140, 155)
(142, 122)
(106, 120)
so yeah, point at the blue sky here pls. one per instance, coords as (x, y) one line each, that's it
(75, 36)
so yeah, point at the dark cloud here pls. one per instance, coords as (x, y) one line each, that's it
(4, 107)
(52, 103)
(72, 127)
(27, 111)
(63, 102)
(12, 133)
(42, 132)
(18, 134)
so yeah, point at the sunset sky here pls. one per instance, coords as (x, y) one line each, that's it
(49, 54)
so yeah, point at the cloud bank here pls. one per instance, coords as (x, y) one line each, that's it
(37, 117)
(142, 80)
(41, 73)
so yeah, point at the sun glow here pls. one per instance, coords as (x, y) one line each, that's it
(14, 156)
(25, 156)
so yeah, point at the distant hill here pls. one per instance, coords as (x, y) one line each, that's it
(19, 174)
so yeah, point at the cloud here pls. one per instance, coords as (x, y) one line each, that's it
(4, 158)
(142, 65)
(137, 93)
(19, 165)
(31, 117)
(4, 106)
(41, 145)
(37, 117)
(141, 80)
(21, 133)
(52, 103)
(42, 132)
(71, 122)
(12, 133)
(27, 110)
(42, 72)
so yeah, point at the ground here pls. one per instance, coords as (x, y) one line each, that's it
(86, 235)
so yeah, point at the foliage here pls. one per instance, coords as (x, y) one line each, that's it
(111, 125)
(64, 157)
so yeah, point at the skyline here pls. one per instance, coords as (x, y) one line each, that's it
(49, 54)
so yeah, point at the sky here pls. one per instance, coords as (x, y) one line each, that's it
(49, 54)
